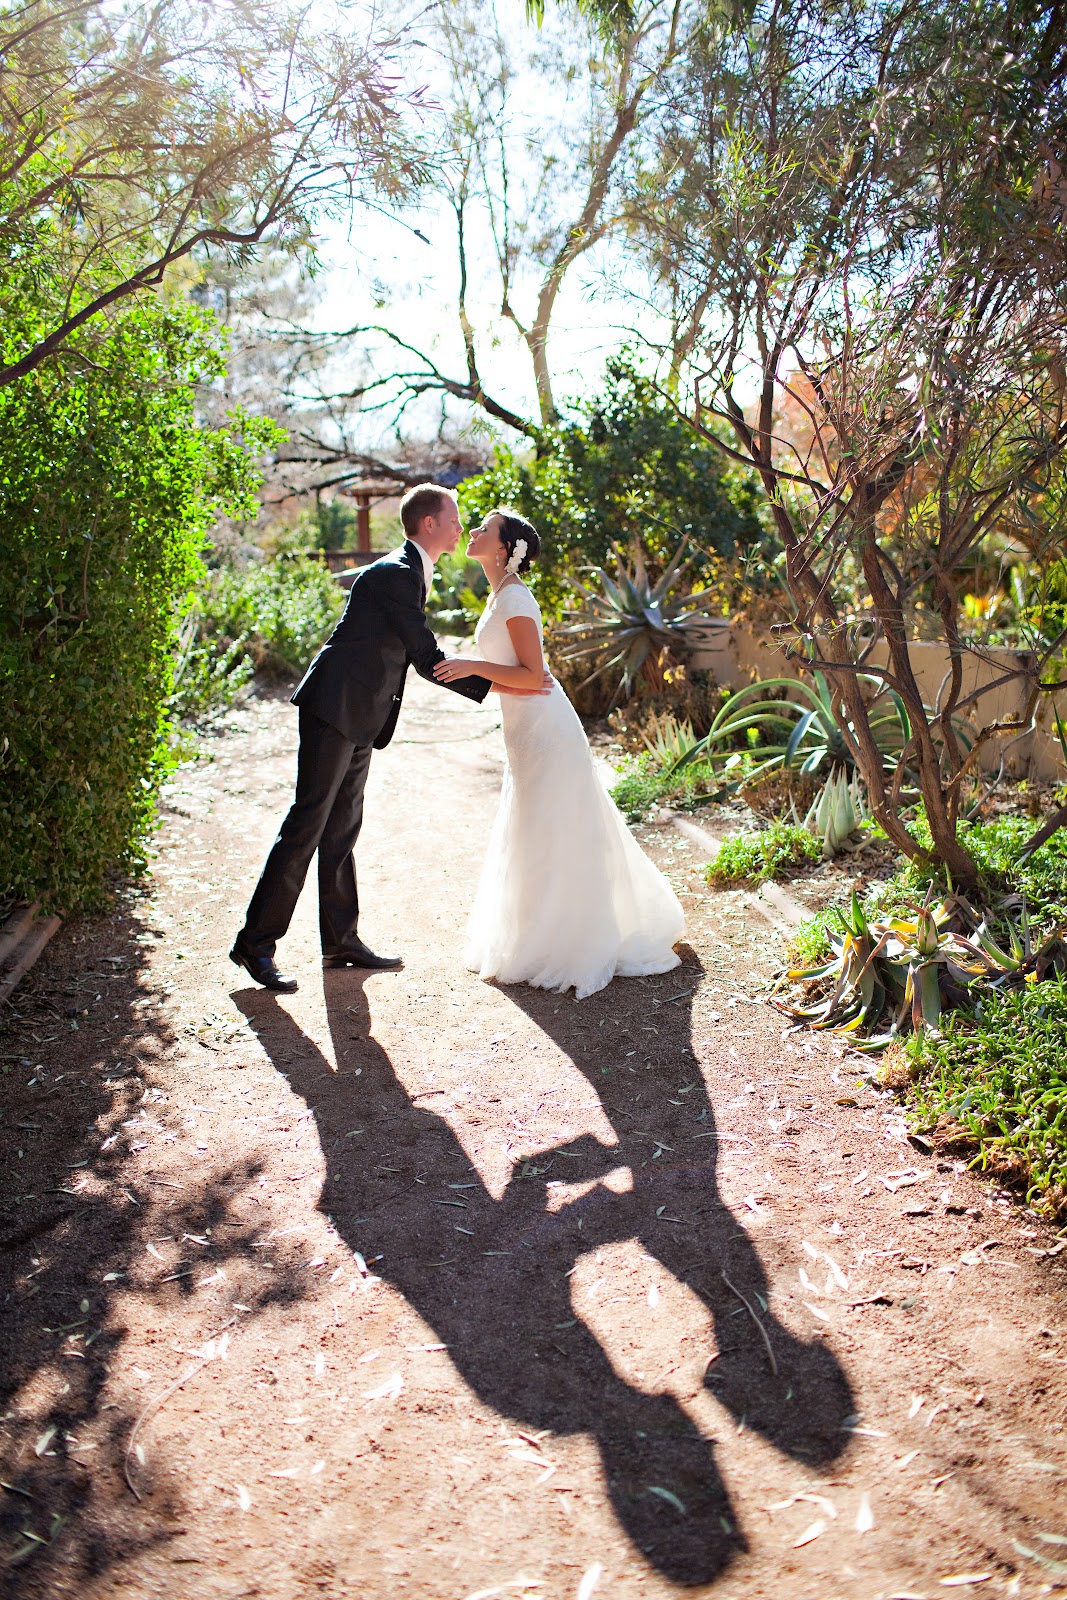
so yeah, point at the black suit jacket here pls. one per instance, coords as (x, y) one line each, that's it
(356, 682)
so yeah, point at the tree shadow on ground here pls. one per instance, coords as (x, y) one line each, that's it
(77, 1046)
(491, 1277)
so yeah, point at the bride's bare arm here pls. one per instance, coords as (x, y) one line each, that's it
(529, 677)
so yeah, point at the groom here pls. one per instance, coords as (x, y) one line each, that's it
(349, 701)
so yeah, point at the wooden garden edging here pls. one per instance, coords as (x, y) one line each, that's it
(22, 938)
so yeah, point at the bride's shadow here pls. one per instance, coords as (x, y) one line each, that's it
(491, 1276)
(654, 1094)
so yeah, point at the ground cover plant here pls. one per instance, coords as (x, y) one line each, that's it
(983, 999)
(757, 857)
(997, 1083)
(1040, 880)
(645, 784)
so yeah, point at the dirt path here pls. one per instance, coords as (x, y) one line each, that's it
(406, 1285)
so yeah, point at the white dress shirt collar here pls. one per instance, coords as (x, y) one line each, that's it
(427, 564)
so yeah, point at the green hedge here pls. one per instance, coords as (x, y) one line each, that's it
(108, 489)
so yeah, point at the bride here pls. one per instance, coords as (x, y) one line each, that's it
(567, 898)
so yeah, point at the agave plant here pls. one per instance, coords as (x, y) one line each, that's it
(623, 627)
(908, 968)
(798, 723)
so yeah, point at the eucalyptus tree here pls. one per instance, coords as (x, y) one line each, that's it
(536, 131)
(134, 137)
(862, 203)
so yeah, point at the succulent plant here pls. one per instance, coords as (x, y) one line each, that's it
(625, 625)
(668, 738)
(837, 813)
(908, 969)
(797, 719)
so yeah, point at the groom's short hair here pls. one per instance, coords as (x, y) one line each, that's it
(425, 500)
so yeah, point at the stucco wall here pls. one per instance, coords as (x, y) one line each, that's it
(737, 654)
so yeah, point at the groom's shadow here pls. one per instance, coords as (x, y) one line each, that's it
(491, 1276)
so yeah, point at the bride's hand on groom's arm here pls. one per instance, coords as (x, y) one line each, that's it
(455, 667)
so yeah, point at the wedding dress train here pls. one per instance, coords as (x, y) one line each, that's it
(567, 898)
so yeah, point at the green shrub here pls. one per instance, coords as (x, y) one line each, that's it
(458, 594)
(208, 676)
(998, 1083)
(755, 857)
(108, 490)
(281, 611)
(270, 618)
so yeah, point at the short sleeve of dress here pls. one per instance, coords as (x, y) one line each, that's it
(515, 600)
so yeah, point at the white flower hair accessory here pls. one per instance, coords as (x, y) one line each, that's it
(518, 555)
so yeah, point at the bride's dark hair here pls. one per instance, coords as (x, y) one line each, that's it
(512, 529)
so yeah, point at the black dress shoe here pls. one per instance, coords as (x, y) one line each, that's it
(263, 970)
(358, 955)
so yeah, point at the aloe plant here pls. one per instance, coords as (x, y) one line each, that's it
(625, 625)
(909, 968)
(837, 813)
(667, 738)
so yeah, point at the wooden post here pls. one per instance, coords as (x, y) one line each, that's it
(363, 523)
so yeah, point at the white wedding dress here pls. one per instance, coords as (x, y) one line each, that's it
(567, 898)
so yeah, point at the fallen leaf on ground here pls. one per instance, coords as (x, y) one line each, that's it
(864, 1516)
(1057, 1569)
(666, 1494)
(590, 1579)
(527, 1455)
(827, 1507)
(959, 1579)
(387, 1390)
(809, 1534)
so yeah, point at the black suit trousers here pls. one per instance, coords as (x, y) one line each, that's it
(326, 816)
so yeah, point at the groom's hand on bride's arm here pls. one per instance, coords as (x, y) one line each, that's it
(524, 694)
